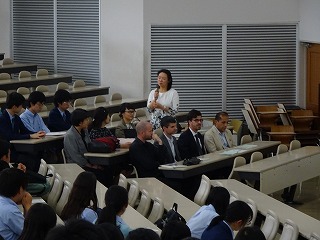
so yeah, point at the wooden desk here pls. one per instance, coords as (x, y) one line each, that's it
(115, 158)
(156, 188)
(133, 218)
(306, 224)
(1, 56)
(283, 170)
(18, 67)
(217, 160)
(35, 81)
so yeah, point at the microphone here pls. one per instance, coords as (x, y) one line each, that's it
(156, 94)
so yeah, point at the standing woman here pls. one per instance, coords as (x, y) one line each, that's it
(164, 100)
(82, 202)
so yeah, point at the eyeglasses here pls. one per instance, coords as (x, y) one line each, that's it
(130, 111)
(197, 120)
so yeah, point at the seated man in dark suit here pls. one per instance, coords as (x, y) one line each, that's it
(190, 142)
(60, 117)
(169, 127)
(145, 156)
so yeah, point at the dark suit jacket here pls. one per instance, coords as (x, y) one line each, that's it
(169, 158)
(6, 131)
(221, 231)
(56, 122)
(187, 145)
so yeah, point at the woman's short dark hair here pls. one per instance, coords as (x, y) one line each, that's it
(166, 71)
(39, 220)
(175, 231)
(78, 116)
(124, 107)
(250, 233)
(15, 99)
(11, 180)
(35, 97)
(193, 114)
(61, 96)
(99, 115)
(4, 148)
(219, 198)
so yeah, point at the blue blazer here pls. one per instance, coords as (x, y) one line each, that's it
(187, 145)
(221, 231)
(56, 123)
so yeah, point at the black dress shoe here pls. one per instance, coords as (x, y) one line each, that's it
(292, 202)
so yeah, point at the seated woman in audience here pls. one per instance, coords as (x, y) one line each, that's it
(126, 114)
(250, 233)
(216, 204)
(164, 100)
(238, 214)
(38, 221)
(116, 200)
(175, 231)
(82, 202)
(98, 127)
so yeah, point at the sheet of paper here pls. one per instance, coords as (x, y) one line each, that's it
(56, 133)
(232, 151)
(246, 146)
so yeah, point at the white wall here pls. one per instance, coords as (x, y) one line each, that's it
(5, 27)
(309, 11)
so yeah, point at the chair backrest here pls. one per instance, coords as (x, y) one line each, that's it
(3, 94)
(24, 74)
(62, 85)
(216, 183)
(141, 113)
(42, 88)
(99, 99)
(203, 191)
(7, 61)
(55, 191)
(238, 161)
(245, 139)
(42, 72)
(282, 148)
(256, 156)
(233, 196)
(158, 131)
(134, 171)
(43, 168)
(133, 193)
(254, 209)
(236, 123)
(44, 108)
(294, 144)
(23, 90)
(51, 171)
(157, 210)
(253, 110)
(63, 156)
(64, 197)
(290, 231)
(144, 204)
(253, 128)
(314, 236)
(270, 225)
(116, 96)
(115, 117)
(80, 102)
(79, 83)
(123, 181)
(5, 76)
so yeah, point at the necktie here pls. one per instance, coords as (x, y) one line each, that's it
(64, 116)
(198, 145)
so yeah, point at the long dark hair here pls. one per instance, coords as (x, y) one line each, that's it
(116, 198)
(237, 210)
(82, 194)
(100, 114)
(169, 76)
(39, 220)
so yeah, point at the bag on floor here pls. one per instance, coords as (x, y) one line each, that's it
(171, 216)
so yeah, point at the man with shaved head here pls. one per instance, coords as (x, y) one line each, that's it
(145, 156)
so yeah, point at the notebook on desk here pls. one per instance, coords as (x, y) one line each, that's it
(130, 133)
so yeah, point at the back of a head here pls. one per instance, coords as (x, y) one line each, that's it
(11, 180)
(250, 233)
(142, 234)
(238, 210)
(113, 232)
(15, 99)
(99, 115)
(61, 96)
(175, 231)
(142, 126)
(4, 148)
(219, 198)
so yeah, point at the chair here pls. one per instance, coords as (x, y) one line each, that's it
(256, 156)
(294, 144)
(268, 116)
(123, 181)
(216, 183)
(145, 202)
(290, 231)
(79, 83)
(233, 196)
(141, 114)
(7, 61)
(5, 76)
(23, 91)
(64, 197)
(270, 225)
(203, 191)
(62, 85)
(43, 168)
(252, 125)
(302, 120)
(133, 193)
(63, 156)
(282, 149)
(157, 210)
(55, 192)
(158, 131)
(51, 175)
(24, 74)
(245, 139)
(42, 88)
(254, 209)
(44, 108)
(99, 99)
(251, 106)
(236, 123)
(116, 96)
(238, 161)
(80, 102)
(314, 236)
(134, 171)
(42, 72)
(115, 117)
(3, 94)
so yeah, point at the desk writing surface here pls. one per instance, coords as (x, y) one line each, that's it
(18, 67)
(134, 219)
(306, 224)
(114, 158)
